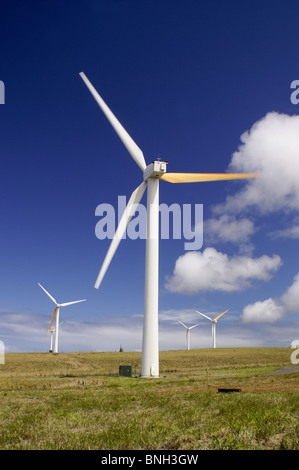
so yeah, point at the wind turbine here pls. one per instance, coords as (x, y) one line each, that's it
(188, 332)
(56, 312)
(152, 174)
(214, 321)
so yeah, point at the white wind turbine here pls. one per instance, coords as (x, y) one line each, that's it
(214, 321)
(56, 312)
(152, 174)
(188, 332)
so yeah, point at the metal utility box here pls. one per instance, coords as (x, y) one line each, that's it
(125, 371)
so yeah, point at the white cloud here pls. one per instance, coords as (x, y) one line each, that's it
(29, 332)
(271, 310)
(228, 228)
(271, 149)
(19, 336)
(174, 316)
(212, 270)
(291, 232)
(267, 311)
(291, 297)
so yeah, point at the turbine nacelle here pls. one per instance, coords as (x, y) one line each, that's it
(155, 170)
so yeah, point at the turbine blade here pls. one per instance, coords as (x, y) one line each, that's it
(193, 326)
(52, 298)
(70, 303)
(215, 319)
(54, 313)
(126, 217)
(204, 315)
(202, 177)
(183, 324)
(128, 142)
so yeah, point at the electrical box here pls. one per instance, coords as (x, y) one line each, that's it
(125, 371)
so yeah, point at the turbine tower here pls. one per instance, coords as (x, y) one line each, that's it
(51, 331)
(152, 174)
(214, 321)
(56, 312)
(188, 332)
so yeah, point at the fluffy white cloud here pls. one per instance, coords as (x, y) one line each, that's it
(271, 310)
(212, 270)
(291, 297)
(271, 149)
(267, 311)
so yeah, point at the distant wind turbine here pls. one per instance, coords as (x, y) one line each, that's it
(214, 321)
(56, 312)
(152, 174)
(188, 332)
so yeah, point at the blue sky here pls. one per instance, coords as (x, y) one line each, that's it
(186, 79)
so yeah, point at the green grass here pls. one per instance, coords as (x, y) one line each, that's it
(78, 401)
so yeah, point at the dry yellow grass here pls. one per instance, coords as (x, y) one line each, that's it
(78, 401)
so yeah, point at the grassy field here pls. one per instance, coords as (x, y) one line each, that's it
(78, 401)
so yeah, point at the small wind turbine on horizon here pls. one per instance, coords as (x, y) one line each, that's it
(188, 333)
(56, 312)
(152, 174)
(214, 321)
